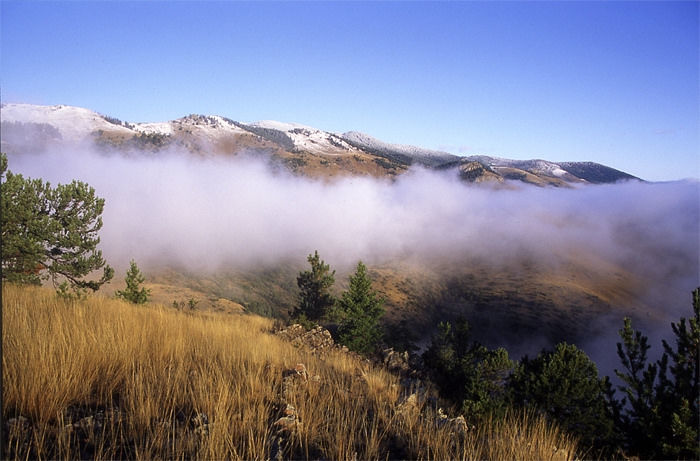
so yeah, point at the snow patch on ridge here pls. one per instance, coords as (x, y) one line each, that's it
(308, 139)
(74, 123)
(158, 128)
(376, 144)
(279, 126)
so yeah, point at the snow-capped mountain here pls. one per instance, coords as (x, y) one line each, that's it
(399, 151)
(305, 138)
(73, 123)
(300, 148)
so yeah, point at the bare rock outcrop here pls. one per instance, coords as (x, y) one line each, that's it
(396, 361)
(318, 339)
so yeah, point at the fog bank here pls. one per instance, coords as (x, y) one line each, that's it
(212, 213)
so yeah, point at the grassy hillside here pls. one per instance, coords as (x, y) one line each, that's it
(108, 380)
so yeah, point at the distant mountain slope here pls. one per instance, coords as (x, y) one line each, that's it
(73, 123)
(568, 171)
(398, 152)
(301, 149)
(595, 172)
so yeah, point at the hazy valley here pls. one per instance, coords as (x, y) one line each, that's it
(225, 212)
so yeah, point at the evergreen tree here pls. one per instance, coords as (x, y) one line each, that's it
(466, 372)
(315, 298)
(360, 310)
(683, 440)
(441, 359)
(641, 419)
(134, 292)
(565, 385)
(50, 232)
(662, 418)
(486, 391)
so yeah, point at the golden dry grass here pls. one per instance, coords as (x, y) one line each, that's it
(104, 379)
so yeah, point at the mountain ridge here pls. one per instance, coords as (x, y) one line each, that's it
(300, 148)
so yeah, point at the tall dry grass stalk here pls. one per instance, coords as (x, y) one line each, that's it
(104, 379)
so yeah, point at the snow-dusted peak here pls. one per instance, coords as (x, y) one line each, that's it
(165, 128)
(208, 125)
(74, 123)
(406, 152)
(280, 126)
(369, 141)
(535, 166)
(300, 137)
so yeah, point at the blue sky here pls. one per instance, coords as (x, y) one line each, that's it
(615, 83)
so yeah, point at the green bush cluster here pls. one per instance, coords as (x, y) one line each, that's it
(656, 418)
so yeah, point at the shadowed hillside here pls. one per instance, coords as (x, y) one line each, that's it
(523, 307)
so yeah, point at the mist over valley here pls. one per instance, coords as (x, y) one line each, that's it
(530, 252)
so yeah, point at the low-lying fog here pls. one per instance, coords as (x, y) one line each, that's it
(234, 212)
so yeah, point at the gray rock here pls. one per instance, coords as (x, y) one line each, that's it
(318, 339)
(395, 361)
(409, 406)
